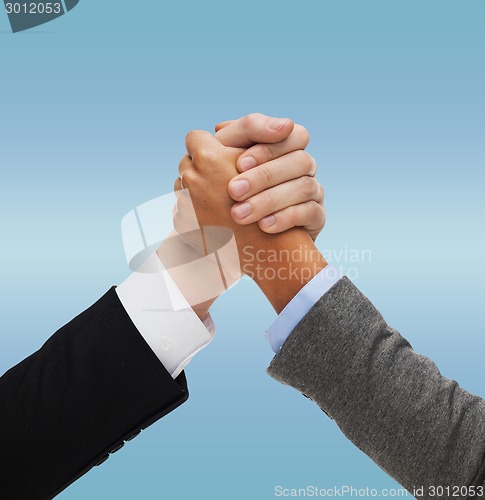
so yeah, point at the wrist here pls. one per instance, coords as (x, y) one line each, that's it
(197, 277)
(281, 265)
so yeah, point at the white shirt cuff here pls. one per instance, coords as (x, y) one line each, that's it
(174, 336)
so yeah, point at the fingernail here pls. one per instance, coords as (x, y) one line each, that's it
(247, 162)
(243, 210)
(268, 221)
(277, 123)
(239, 187)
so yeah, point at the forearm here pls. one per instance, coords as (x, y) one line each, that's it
(199, 278)
(94, 384)
(394, 404)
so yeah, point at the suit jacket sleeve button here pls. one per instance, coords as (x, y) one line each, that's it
(133, 436)
(117, 448)
(102, 460)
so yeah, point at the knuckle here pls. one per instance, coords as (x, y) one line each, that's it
(268, 201)
(265, 175)
(324, 218)
(306, 161)
(316, 216)
(321, 196)
(267, 153)
(190, 135)
(204, 155)
(302, 135)
(316, 210)
(190, 178)
(309, 187)
(291, 215)
(249, 122)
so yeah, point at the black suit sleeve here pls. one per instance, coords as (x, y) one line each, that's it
(93, 385)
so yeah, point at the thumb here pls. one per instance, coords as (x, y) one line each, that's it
(254, 129)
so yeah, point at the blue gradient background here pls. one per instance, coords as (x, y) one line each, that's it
(94, 109)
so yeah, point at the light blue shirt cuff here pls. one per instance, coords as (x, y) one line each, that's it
(297, 309)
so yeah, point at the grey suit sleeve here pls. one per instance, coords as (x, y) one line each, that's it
(420, 427)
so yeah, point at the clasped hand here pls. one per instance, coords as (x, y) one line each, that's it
(254, 170)
(255, 178)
